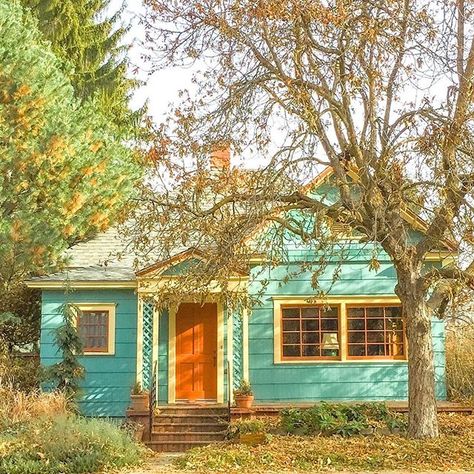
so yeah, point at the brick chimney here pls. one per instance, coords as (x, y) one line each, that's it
(220, 157)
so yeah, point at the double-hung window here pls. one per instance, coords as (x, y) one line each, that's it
(96, 328)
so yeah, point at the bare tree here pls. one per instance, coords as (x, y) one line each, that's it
(379, 90)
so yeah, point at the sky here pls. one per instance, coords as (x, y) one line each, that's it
(161, 87)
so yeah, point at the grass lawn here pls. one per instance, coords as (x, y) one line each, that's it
(452, 451)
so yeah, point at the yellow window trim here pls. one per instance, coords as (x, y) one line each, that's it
(110, 307)
(341, 302)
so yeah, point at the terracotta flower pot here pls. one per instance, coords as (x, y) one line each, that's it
(244, 401)
(140, 402)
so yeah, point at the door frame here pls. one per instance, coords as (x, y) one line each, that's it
(172, 351)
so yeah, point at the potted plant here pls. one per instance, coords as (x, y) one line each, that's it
(140, 398)
(243, 395)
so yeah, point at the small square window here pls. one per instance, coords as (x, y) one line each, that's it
(96, 328)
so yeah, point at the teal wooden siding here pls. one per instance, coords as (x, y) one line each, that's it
(327, 381)
(106, 387)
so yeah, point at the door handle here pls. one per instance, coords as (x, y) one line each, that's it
(214, 358)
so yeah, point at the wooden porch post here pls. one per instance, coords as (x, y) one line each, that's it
(154, 353)
(245, 344)
(230, 355)
(139, 368)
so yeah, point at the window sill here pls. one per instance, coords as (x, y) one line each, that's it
(341, 362)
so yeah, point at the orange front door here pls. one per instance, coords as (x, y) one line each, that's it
(196, 351)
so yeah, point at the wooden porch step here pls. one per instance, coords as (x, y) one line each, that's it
(190, 409)
(161, 427)
(191, 418)
(204, 436)
(174, 446)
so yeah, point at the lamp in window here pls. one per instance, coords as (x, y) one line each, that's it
(330, 344)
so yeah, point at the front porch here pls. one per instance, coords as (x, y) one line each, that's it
(191, 352)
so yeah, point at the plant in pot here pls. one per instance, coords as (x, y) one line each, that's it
(243, 395)
(140, 398)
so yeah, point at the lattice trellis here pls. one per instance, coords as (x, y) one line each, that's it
(147, 344)
(237, 336)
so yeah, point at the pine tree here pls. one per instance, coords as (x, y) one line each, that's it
(65, 173)
(91, 45)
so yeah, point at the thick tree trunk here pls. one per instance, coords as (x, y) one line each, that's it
(422, 413)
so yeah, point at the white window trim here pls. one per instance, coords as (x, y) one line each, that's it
(341, 302)
(110, 307)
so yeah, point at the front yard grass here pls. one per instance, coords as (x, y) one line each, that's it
(453, 450)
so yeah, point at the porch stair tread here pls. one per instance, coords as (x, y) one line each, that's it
(175, 446)
(163, 424)
(178, 428)
(187, 415)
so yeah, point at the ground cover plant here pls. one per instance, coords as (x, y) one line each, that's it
(341, 419)
(40, 435)
(451, 451)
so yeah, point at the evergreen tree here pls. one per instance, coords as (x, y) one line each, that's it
(91, 45)
(65, 173)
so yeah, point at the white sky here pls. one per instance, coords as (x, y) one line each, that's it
(162, 87)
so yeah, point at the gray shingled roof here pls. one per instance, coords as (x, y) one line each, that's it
(103, 258)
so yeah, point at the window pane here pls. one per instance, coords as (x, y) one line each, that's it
(311, 337)
(291, 312)
(376, 336)
(310, 324)
(310, 313)
(395, 324)
(376, 350)
(375, 324)
(374, 312)
(357, 324)
(291, 351)
(330, 313)
(393, 312)
(396, 350)
(357, 337)
(357, 350)
(291, 338)
(309, 351)
(330, 352)
(355, 312)
(289, 325)
(329, 324)
(396, 336)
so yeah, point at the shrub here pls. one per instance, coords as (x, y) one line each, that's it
(20, 407)
(460, 363)
(19, 372)
(240, 427)
(339, 419)
(67, 444)
(38, 434)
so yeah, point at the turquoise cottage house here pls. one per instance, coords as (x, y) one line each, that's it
(352, 346)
